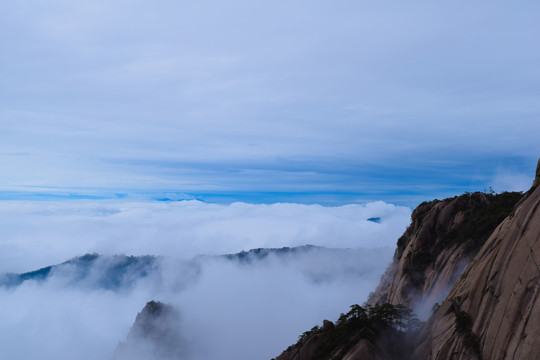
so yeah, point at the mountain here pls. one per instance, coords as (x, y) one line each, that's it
(121, 272)
(310, 266)
(441, 240)
(317, 263)
(93, 270)
(493, 310)
(379, 332)
(155, 334)
(479, 255)
(248, 257)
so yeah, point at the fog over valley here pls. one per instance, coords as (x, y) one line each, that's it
(246, 305)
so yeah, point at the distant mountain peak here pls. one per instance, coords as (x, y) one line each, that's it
(106, 272)
(155, 334)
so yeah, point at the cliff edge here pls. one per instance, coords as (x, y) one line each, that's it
(437, 246)
(478, 254)
(493, 311)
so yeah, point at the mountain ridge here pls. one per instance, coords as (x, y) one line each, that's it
(444, 235)
(497, 298)
(487, 278)
(114, 272)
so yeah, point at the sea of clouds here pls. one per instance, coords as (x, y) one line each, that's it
(228, 309)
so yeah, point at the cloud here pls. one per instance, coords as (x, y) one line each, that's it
(224, 293)
(508, 180)
(41, 233)
(230, 309)
(266, 307)
(182, 96)
(227, 309)
(63, 322)
(305, 100)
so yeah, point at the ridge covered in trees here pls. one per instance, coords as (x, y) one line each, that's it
(395, 323)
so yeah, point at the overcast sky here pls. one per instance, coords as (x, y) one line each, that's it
(309, 101)
(325, 102)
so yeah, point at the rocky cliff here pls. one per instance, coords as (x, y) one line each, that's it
(155, 335)
(478, 254)
(493, 311)
(437, 246)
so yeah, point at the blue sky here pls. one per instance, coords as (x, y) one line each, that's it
(302, 101)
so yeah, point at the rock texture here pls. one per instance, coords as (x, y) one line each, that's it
(480, 255)
(154, 335)
(437, 246)
(493, 311)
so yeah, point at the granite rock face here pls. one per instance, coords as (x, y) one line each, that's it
(479, 255)
(437, 246)
(493, 311)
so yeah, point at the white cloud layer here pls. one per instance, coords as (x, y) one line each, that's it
(37, 234)
(228, 310)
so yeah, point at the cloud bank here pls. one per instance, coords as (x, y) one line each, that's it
(37, 234)
(227, 308)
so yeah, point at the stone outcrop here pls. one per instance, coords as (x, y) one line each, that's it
(493, 311)
(155, 334)
(480, 255)
(437, 246)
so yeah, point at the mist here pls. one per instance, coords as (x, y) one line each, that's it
(37, 234)
(227, 308)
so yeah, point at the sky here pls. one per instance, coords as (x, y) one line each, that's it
(282, 101)
(278, 123)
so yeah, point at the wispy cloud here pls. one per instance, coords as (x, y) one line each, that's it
(112, 95)
(511, 180)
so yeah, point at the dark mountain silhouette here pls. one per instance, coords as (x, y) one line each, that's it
(122, 272)
(106, 272)
(155, 335)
